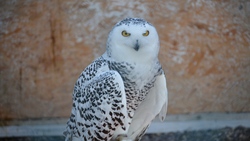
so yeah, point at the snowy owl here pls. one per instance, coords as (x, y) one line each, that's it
(118, 95)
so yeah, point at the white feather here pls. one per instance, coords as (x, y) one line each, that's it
(154, 104)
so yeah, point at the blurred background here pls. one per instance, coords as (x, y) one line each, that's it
(45, 45)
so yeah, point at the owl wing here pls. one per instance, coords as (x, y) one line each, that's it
(163, 96)
(99, 109)
(154, 104)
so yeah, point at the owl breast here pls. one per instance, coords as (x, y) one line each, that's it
(138, 80)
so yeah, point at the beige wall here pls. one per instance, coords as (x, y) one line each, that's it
(44, 46)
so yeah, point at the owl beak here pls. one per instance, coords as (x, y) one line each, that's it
(137, 46)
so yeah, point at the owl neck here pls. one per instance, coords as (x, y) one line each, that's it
(120, 52)
(138, 74)
(132, 57)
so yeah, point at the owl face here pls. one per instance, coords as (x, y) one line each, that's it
(133, 38)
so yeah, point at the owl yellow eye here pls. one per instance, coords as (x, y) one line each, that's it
(125, 33)
(146, 33)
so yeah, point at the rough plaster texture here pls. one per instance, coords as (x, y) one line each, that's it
(44, 46)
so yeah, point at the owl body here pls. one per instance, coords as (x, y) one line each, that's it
(119, 94)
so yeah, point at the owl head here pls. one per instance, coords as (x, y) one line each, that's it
(133, 40)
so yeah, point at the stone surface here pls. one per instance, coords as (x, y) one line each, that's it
(44, 46)
(224, 134)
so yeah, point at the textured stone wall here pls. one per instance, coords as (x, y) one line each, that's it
(44, 46)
